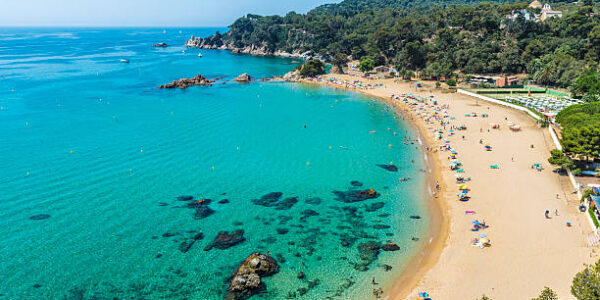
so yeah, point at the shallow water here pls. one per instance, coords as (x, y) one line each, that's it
(92, 143)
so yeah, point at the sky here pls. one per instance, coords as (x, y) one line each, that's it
(159, 13)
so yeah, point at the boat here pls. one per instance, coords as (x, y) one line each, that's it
(199, 54)
(123, 60)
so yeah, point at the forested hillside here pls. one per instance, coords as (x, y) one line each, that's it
(437, 38)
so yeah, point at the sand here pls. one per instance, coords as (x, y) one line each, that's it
(528, 250)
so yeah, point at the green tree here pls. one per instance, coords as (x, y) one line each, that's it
(588, 84)
(340, 60)
(312, 68)
(547, 294)
(558, 158)
(366, 64)
(586, 284)
(451, 82)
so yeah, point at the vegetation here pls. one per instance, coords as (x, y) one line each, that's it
(436, 38)
(547, 294)
(581, 130)
(586, 284)
(558, 158)
(593, 216)
(312, 68)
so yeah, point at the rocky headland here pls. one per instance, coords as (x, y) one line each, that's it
(219, 43)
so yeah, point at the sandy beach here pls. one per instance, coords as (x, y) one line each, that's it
(528, 251)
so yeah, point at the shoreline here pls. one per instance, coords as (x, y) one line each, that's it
(438, 232)
(448, 268)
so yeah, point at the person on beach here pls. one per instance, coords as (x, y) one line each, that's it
(547, 214)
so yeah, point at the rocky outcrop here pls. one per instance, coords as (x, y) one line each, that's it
(161, 45)
(242, 78)
(187, 82)
(247, 278)
(292, 76)
(217, 42)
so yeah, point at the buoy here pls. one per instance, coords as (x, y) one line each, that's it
(141, 151)
(390, 145)
(213, 168)
(130, 170)
(71, 151)
(330, 147)
(391, 163)
(237, 148)
(307, 163)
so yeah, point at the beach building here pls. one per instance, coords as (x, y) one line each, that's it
(535, 4)
(507, 81)
(547, 13)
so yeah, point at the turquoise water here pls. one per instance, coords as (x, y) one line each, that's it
(92, 143)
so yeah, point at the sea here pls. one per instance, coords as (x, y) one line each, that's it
(101, 173)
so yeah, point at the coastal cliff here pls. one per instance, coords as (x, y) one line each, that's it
(224, 42)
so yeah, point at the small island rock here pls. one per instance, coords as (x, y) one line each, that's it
(243, 78)
(247, 278)
(187, 82)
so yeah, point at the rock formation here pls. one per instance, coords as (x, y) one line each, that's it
(187, 82)
(162, 45)
(247, 278)
(243, 78)
(292, 76)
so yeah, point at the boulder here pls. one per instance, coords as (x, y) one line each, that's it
(187, 82)
(243, 78)
(247, 278)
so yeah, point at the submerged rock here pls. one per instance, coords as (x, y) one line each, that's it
(356, 196)
(314, 201)
(269, 199)
(225, 240)
(187, 82)
(39, 217)
(247, 278)
(282, 230)
(185, 198)
(224, 201)
(374, 206)
(286, 203)
(390, 168)
(161, 45)
(368, 254)
(203, 212)
(356, 183)
(390, 246)
(185, 246)
(416, 217)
